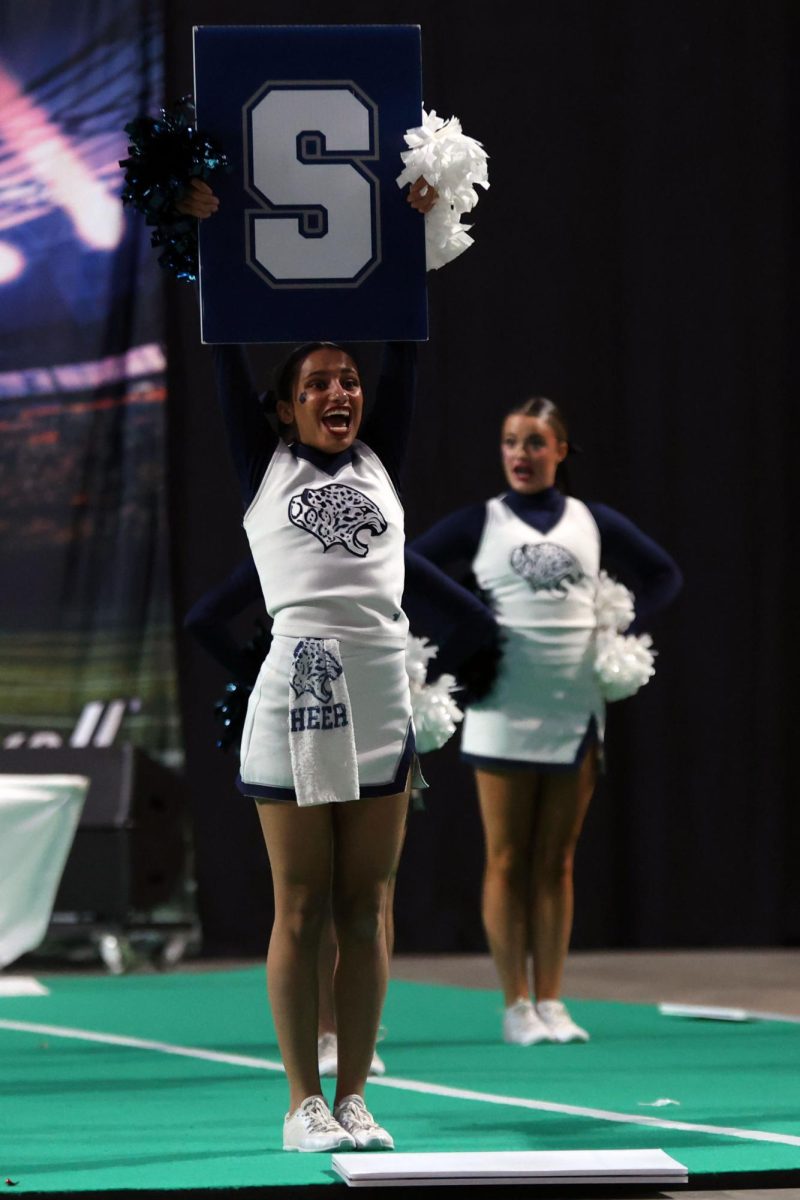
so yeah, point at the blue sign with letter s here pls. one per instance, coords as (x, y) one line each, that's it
(313, 238)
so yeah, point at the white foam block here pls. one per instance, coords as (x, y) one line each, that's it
(509, 1166)
(705, 1012)
(21, 985)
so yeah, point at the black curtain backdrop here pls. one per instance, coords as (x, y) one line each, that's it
(634, 260)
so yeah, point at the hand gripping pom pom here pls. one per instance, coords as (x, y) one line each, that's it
(165, 153)
(454, 164)
(433, 709)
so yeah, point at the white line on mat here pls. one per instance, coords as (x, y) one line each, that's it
(121, 1039)
(405, 1085)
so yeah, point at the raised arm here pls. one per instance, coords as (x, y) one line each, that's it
(388, 427)
(251, 438)
(652, 575)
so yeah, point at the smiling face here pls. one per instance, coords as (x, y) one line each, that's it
(531, 453)
(327, 402)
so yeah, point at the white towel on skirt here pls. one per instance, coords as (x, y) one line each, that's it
(375, 702)
(321, 742)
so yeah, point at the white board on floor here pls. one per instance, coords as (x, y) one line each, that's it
(653, 1167)
(704, 1012)
(21, 985)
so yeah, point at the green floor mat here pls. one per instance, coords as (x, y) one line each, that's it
(82, 1115)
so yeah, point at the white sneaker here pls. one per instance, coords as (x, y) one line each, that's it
(377, 1066)
(522, 1026)
(327, 1050)
(559, 1024)
(328, 1055)
(311, 1128)
(352, 1115)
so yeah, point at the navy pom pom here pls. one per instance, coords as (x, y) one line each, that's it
(164, 154)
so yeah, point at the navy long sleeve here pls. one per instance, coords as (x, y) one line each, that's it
(454, 620)
(207, 619)
(626, 552)
(251, 438)
(640, 563)
(388, 428)
(454, 539)
(438, 608)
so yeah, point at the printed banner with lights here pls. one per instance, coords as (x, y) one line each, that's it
(86, 650)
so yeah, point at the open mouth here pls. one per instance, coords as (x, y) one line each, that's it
(337, 420)
(523, 474)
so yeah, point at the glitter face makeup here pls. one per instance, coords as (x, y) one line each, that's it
(328, 402)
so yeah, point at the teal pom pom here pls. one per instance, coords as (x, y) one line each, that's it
(231, 709)
(164, 154)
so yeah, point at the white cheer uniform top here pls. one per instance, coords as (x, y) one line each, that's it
(328, 543)
(542, 587)
(542, 584)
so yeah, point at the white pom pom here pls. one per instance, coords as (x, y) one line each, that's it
(455, 165)
(445, 237)
(419, 653)
(623, 664)
(613, 604)
(434, 711)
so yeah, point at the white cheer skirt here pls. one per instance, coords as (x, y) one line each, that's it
(545, 706)
(327, 721)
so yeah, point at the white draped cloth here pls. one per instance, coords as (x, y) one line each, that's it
(39, 815)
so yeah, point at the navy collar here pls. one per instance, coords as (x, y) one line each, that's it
(331, 464)
(548, 500)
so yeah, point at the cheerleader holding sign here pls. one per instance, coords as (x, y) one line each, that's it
(328, 744)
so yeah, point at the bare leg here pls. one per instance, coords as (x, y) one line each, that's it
(563, 803)
(299, 842)
(368, 835)
(326, 968)
(507, 804)
(388, 919)
(327, 959)
(391, 890)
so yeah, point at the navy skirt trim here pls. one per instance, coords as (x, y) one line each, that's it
(257, 791)
(590, 738)
(264, 792)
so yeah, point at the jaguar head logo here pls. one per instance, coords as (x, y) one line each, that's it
(313, 670)
(337, 515)
(546, 567)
